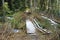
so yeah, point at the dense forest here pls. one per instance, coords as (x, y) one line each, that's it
(51, 7)
(14, 13)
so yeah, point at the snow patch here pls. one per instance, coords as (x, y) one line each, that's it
(30, 27)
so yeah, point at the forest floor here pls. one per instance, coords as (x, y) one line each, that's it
(22, 35)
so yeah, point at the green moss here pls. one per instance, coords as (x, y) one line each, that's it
(18, 21)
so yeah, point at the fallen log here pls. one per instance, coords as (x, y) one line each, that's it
(40, 28)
